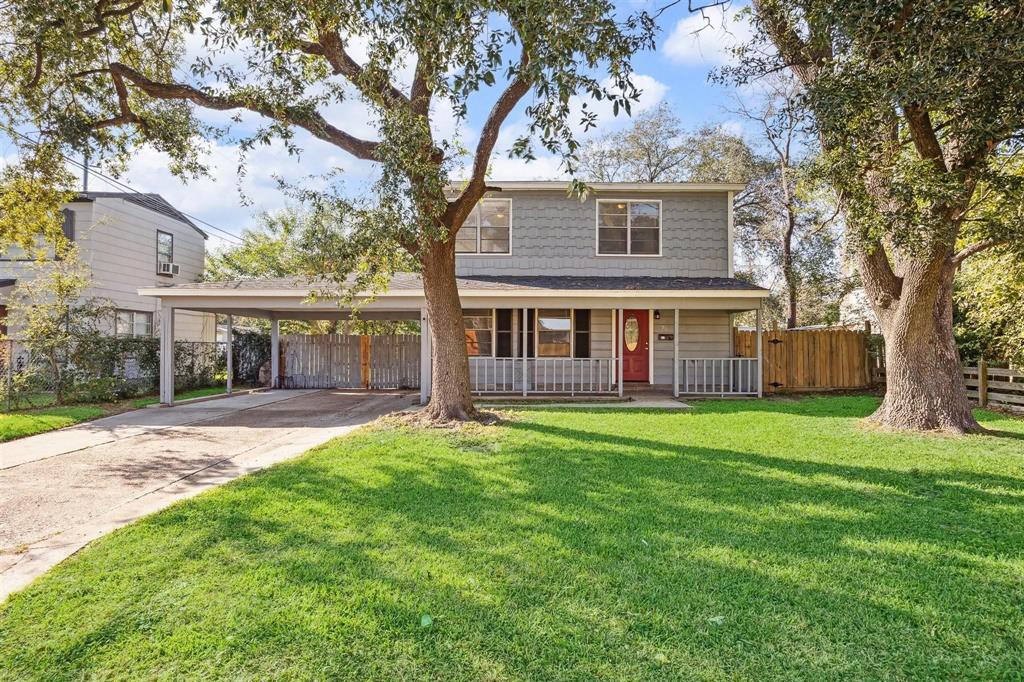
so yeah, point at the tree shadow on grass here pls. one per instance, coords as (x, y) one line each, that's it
(563, 552)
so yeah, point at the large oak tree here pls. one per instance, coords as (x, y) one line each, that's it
(919, 108)
(111, 74)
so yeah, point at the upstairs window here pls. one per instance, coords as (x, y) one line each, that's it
(486, 230)
(628, 228)
(164, 248)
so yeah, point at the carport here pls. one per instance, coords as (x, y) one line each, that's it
(276, 300)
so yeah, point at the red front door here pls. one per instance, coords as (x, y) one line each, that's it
(635, 345)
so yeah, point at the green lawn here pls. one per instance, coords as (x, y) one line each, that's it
(182, 395)
(30, 422)
(743, 540)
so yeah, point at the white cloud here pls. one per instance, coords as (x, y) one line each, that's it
(651, 89)
(705, 39)
(541, 168)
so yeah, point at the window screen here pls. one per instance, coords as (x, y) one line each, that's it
(503, 331)
(581, 341)
(554, 330)
(478, 332)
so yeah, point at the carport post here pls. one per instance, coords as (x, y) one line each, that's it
(760, 375)
(166, 355)
(275, 352)
(425, 365)
(231, 364)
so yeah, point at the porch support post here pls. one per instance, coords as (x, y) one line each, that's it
(231, 361)
(620, 327)
(760, 375)
(675, 352)
(166, 355)
(275, 352)
(425, 357)
(526, 323)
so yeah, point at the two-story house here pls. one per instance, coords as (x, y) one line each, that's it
(633, 286)
(127, 241)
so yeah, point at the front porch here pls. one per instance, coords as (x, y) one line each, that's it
(525, 336)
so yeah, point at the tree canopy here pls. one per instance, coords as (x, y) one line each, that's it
(109, 74)
(917, 106)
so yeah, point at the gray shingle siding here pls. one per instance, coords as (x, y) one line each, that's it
(556, 235)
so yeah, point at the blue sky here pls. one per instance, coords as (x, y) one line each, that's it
(676, 72)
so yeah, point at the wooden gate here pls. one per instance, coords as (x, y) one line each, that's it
(394, 361)
(347, 361)
(809, 360)
(320, 361)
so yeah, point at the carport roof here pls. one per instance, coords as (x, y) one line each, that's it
(408, 282)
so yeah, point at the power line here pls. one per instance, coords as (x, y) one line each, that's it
(129, 188)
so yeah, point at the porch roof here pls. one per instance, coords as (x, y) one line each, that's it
(290, 298)
(409, 283)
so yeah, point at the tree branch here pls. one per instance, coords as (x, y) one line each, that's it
(515, 91)
(127, 115)
(312, 122)
(922, 132)
(332, 48)
(880, 281)
(973, 249)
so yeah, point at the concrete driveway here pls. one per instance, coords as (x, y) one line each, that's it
(60, 490)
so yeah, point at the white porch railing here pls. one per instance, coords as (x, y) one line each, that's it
(718, 376)
(543, 375)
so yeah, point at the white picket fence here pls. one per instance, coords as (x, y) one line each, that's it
(543, 375)
(995, 386)
(718, 376)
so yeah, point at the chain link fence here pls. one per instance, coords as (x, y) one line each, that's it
(116, 368)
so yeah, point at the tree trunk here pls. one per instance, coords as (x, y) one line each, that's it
(450, 396)
(924, 382)
(792, 322)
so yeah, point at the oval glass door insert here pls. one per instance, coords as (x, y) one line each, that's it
(632, 333)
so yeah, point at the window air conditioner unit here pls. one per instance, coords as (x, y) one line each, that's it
(168, 268)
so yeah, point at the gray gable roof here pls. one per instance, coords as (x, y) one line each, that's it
(154, 202)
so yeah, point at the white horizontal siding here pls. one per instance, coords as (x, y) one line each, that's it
(702, 334)
(117, 243)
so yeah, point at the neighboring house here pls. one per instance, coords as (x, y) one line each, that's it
(127, 241)
(560, 295)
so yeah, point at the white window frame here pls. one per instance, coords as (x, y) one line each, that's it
(629, 228)
(486, 254)
(133, 313)
(170, 259)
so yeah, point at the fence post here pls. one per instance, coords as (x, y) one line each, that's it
(982, 383)
(364, 361)
(9, 362)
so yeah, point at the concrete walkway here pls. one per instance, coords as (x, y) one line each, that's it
(61, 490)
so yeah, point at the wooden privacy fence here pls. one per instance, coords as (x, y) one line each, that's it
(995, 386)
(809, 359)
(347, 361)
